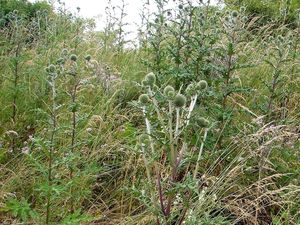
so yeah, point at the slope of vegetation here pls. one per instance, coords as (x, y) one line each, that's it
(198, 124)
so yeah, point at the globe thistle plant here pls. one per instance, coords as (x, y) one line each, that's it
(170, 122)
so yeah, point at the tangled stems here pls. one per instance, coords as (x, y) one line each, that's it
(200, 153)
(177, 117)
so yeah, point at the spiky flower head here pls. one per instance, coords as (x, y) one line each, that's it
(151, 78)
(73, 57)
(168, 89)
(202, 85)
(52, 68)
(64, 52)
(88, 57)
(60, 61)
(202, 122)
(179, 101)
(235, 13)
(280, 38)
(145, 82)
(144, 99)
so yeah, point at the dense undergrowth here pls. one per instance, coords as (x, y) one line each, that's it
(198, 124)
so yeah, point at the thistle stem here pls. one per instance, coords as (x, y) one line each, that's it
(51, 151)
(200, 153)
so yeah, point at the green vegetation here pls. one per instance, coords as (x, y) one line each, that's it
(281, 11)
(196, 124)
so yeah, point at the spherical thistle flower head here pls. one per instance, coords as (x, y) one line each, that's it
(180, 6)
(64, 52)
(52, 68)
(280, 38)
(88, 57)
(171, 94)
(202, 122)
(235, 13)
(179, 101)
(145, 83)
(60, 61)
(144, 99)
(168, 89)
(202, 85)
(151, 78)
(73, 57)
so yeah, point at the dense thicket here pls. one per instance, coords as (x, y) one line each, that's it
(196, 124)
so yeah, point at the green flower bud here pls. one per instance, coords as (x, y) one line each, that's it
(52, 68)
(88, 57)
(202, 85)
(280, 38)
(168, 89)
(151, 78)
(60, 61)
(235, 14)
(145, 82)
(202, 122)
(73, 57)
(171, 94)
(64, 52)
(144, 99)
(179, 101)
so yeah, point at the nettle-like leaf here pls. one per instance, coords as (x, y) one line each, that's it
(20, 209)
